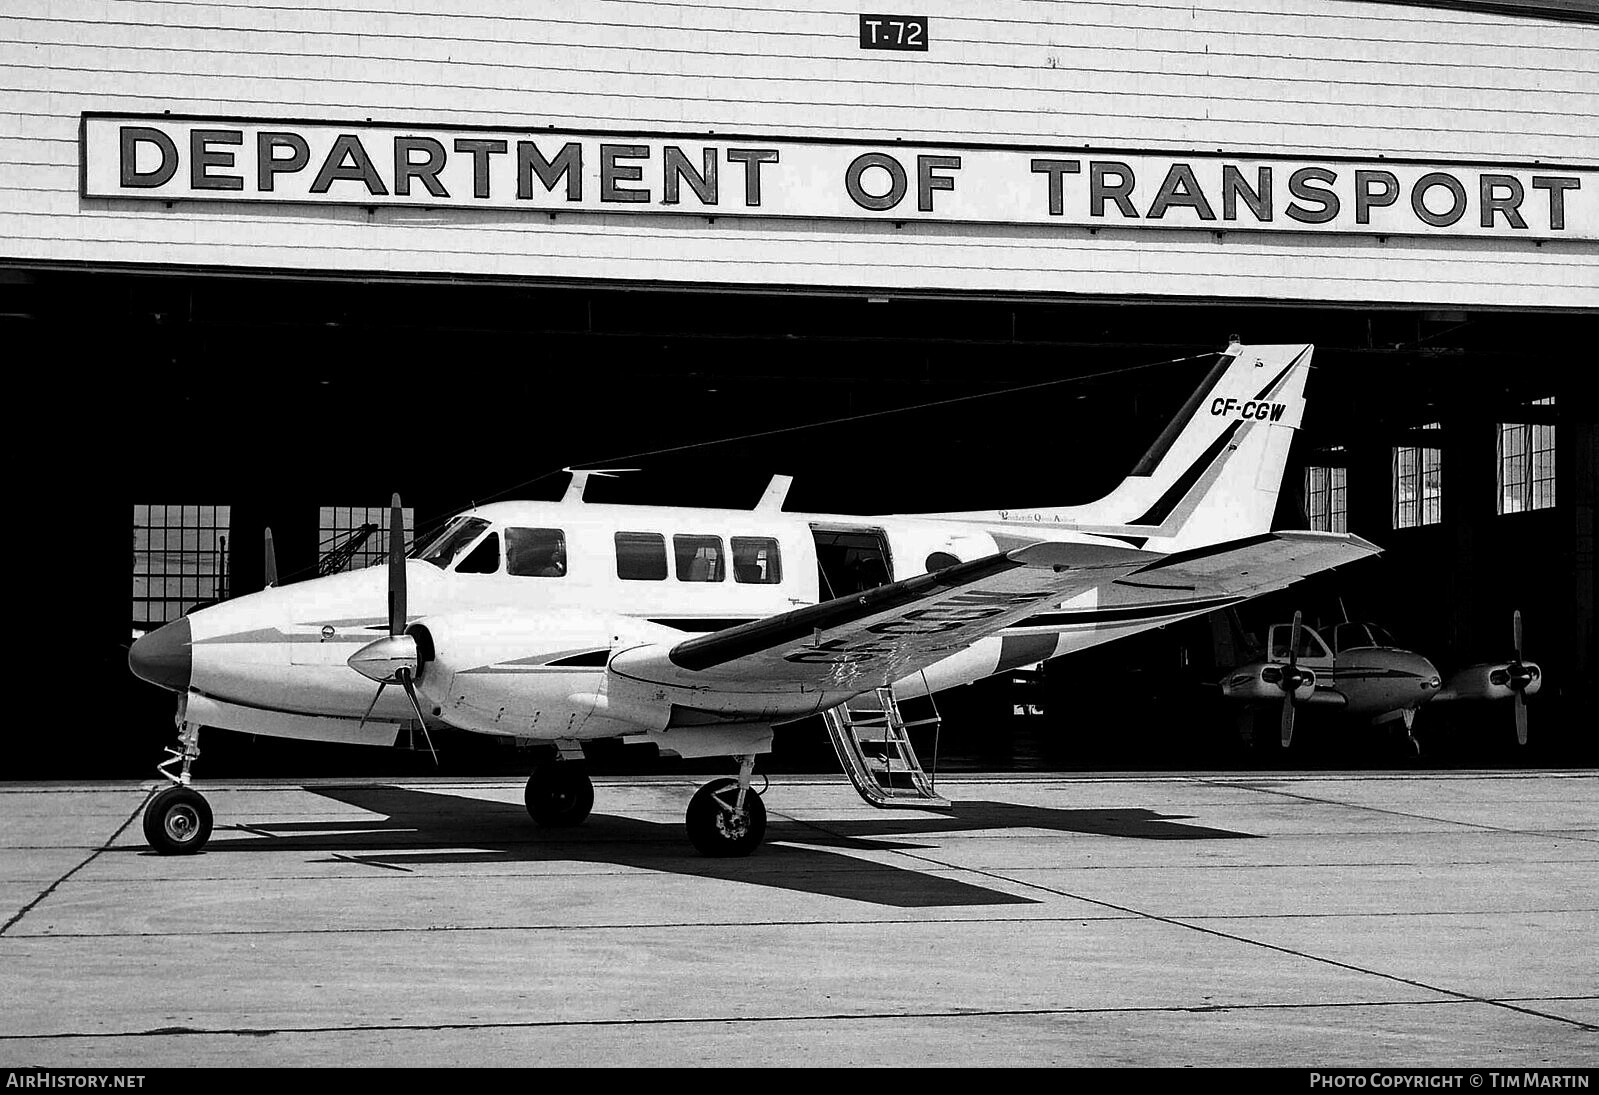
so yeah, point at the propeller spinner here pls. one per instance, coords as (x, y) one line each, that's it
(394, 659)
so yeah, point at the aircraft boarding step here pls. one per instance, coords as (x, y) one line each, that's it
(873, 743)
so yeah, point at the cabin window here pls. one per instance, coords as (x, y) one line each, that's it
(442, 549)
(352, 537)
(641, 556)
(699, 558)
(535, 552)
(180, 559)
(756, 561)
(484, 559)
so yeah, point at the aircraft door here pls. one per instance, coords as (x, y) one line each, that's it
(851, 559)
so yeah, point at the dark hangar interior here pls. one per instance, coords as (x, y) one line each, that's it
(276, 395)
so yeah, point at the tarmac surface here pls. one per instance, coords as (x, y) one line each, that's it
(1307, 920)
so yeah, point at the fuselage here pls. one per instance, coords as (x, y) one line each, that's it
(1360, 671)
(531, 637)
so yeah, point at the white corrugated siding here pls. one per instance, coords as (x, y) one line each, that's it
(1304, 77)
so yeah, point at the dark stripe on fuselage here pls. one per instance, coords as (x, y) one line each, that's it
(1017, 650)
(700, 623)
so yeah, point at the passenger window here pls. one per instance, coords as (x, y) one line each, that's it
(756, 560)
(699, 558)
(485, 558)
(641, 556)
(535, 552)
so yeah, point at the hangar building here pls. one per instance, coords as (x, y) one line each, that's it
(263, 265)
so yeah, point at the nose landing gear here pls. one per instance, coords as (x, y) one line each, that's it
(178, 820)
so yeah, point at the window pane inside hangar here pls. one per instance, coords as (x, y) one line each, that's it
(179, 560)
(1527, 464)
(1418, 484)
(336, 525)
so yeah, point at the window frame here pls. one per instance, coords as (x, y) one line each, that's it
(548, 551)
(1333, 516)
(659, 538)
(774, 568)
(678, 566)
(211, 527)
(336, 524)
(1522, 486)
(1425, 506)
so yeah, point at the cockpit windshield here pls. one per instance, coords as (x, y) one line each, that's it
(457, 536)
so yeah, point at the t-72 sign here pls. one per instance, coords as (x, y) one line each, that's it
(894, 32)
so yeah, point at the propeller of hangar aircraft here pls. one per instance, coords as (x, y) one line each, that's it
(1520, 676)
(394, 659)
(1292, 678)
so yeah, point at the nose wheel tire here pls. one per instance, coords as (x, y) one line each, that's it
(716, 829)
(559, 794)
(177, 821)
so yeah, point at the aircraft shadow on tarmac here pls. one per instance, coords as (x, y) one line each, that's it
(424, 827)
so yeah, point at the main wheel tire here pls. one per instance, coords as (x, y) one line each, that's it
(712, 827)
(177, 821)
(559, 794)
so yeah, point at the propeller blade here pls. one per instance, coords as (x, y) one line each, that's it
(396, 568)
(1293, 640)
(381, 686)
(1288, 718)
(1521, 719)
(271, 561)
(405, 682)
(1516, 621)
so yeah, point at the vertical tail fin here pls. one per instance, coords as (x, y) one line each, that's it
(1215, 471)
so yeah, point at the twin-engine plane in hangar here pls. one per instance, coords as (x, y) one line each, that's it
(699, 629)
(1357, 668)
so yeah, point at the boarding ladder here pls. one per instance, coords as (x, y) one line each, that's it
(873, 743)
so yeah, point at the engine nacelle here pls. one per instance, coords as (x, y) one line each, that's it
(1263, 682)
(533, 675)
(1494, 681)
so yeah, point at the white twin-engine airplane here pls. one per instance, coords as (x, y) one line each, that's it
(699, 629)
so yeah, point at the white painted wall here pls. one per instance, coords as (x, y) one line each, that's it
(1303, 77)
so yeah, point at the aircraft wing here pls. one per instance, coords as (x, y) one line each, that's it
(1255, 565)
(858, 642)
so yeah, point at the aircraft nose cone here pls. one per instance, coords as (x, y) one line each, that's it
(1430, 680)
(164, 656)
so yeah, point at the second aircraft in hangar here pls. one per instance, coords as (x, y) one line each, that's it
(699, 629)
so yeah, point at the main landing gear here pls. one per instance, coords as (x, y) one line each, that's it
(726, 817)
(178, 820)
(559, 794)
